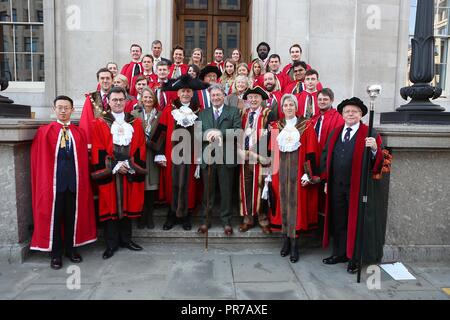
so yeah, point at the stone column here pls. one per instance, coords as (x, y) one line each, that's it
(15, 196)
(418, 221)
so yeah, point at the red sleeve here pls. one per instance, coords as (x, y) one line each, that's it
(101, 150)
(87, 118)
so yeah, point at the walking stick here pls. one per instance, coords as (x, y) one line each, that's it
(373, 91)
(208, 193)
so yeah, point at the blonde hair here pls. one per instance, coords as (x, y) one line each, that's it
(202, 60)
(123, 78)
(243, 64)
(244, 78)
(152, 93)
(251, 74)
(225, 76)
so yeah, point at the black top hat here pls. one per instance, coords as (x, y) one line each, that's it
(354, 102)
(257, 90)
(185, 81)
(209, 69)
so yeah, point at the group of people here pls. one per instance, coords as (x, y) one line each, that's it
(268, 136)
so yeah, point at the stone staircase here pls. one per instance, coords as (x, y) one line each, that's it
(215, 234)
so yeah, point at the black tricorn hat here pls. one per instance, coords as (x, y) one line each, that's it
(209, 69)
(185, 81)
(354, 102)
(257, 90)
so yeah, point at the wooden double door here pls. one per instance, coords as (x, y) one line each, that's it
(208, 24)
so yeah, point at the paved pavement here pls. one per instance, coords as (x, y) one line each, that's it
(179, 269)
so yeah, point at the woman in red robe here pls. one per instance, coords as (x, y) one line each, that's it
(294, 147)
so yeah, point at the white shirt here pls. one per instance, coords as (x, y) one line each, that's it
(119, 116)
(355, 128)
(291, 122)
(218, 109)
(102, 94)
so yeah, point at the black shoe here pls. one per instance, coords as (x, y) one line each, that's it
(335, 259)
(186, 223)
(150, 224)
(168, 224)
(108, 253)
(294, 250)
(286, 246)
(353, 267)
(140, 223)
(132, 246)
(74, 257)
(56, 263)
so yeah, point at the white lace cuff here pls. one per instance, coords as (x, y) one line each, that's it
(160, 158)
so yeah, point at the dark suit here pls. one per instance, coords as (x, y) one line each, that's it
(220, 172)
(65, 201)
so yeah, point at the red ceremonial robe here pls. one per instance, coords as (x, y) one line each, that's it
(301, 98)
(184, 69)
(168, 96)
(102, 157)
(128, 69)
(257, 177)
(44, 156)
(274, 103)
(331, 120)
(288, 67)
(92, 109)
(164, 131)
(220, 65)
(355, 182)
(204, 99)
(152, 79)
(308, 151)
(291, 86)
(130, 103)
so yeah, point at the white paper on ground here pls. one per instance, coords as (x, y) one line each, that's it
(397, 271)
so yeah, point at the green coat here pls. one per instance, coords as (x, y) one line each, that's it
(229, 119)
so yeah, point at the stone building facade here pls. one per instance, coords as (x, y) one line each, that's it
(352, 43)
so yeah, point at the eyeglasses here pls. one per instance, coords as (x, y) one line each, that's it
(59, 109)
(115, 100)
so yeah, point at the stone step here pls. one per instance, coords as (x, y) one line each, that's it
(215, 234)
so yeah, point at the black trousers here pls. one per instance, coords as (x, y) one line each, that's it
(180, 191)
(117, 232)
(64, 214)
(340, 196)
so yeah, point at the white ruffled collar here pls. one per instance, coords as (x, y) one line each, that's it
(289, 138)
(184, 116)
(121, 131)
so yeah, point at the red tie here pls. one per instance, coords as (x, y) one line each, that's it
(162, 101)
(105, 102)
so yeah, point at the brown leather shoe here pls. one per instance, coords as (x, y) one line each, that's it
(266, 230)
(228, 230)
(243, 227)
(203, 229)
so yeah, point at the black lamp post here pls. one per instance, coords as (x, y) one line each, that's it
(420, 110)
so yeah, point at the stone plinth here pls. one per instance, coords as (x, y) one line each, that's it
(418, 207)
(15, 185)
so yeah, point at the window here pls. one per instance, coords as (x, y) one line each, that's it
(21, 40)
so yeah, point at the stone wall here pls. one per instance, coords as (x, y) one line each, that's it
(418, 221)
(15, 186)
